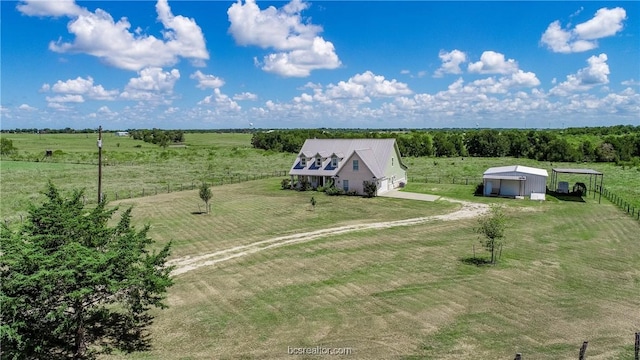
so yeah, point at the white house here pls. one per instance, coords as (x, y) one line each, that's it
(349, 163)
(514, 180)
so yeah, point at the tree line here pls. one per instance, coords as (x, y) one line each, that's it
(158, 136)
(602, 144)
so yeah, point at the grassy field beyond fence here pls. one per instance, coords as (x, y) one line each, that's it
(568, 271)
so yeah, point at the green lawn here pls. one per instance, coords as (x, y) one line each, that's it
(568, 273)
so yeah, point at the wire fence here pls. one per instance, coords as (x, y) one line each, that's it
(582, 354)
(620, 202)
(434, 179)
(213, 180)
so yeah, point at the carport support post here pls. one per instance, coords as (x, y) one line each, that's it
(600, 197)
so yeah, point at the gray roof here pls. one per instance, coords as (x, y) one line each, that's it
(373, 152)
(577, 171)
(516, 169)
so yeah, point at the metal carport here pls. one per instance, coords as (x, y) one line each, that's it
(592, 173)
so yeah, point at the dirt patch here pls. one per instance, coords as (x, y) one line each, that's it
(189, 263)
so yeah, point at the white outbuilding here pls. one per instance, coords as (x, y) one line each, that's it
(515, 180)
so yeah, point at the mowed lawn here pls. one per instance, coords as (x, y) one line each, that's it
(569, 272)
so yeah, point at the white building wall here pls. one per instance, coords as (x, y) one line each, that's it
(534, 183)
(356, 178)
(394, 172)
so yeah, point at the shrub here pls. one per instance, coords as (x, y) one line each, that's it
(352, 193)
(6, 146)
(303, 185)
(370, 189)
(479, 189)
(333, 191)
(285, 184)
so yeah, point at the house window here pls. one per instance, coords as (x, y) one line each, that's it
(345, 185)
(334, 161)
(355, 165)
(318, 162)
(303, 161)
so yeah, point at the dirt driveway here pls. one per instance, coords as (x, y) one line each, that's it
(189, 263)
(395, 193)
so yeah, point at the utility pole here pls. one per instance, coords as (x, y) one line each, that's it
(99, 164)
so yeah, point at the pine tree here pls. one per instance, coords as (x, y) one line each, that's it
(72, 286)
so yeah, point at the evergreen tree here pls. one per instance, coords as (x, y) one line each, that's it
(72, 286)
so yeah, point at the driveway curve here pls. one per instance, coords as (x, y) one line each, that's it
(190, 263)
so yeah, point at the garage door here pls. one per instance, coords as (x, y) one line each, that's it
(384, 186)
(510, 188)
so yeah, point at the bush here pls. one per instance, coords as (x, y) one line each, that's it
(303, 185)
(6, 146)
(352, 193)
(285, 184)
(370, 189)
(333, 191)
(479, 190)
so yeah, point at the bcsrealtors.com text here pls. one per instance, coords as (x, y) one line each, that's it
(318, 350)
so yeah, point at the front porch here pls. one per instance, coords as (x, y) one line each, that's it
(314, 181)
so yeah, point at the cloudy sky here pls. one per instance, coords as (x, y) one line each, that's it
(372, 64)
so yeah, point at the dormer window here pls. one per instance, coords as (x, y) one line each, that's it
(334, 161)
(303, 161)
(318, 161)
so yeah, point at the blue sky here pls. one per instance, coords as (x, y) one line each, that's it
(299, 64)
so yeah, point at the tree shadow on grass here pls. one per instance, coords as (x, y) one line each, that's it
(198, 212)
(477, 261)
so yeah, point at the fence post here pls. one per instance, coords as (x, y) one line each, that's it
(583, 350)
(142, 192)
(116, 195)
(637, 351)
(168, 188)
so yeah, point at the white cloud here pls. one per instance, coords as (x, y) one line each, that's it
(605, 23)
(361, 87)
(207, 81)
(154, 79)
(105, 110)
(583, 37)
(81, 86)
(245, 96)
(50, 8)
(299, 49)
(69, 98)
(492, 62)
(26, 107)
(221, 102)
(152, 84)
(450, 62)
(596, 73)
(631, 82)
(97, 34)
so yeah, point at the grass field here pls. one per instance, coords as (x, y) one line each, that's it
(133, 167)
(568, 273)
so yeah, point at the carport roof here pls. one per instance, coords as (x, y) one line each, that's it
(577, 171)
